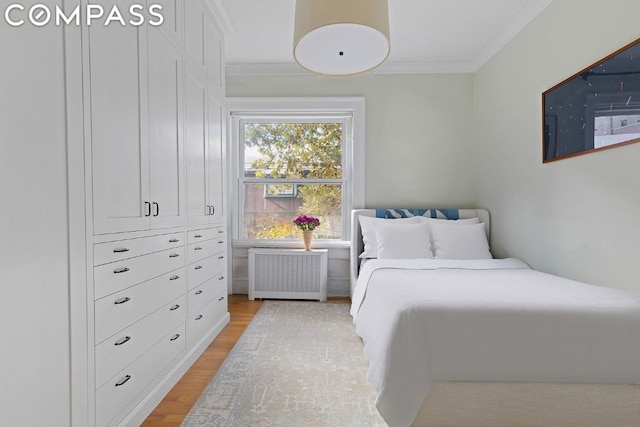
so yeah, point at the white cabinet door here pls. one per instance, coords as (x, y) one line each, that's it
(213, 55)
(216, 162)
(196, 149)
(167, 183)
(118, 138)
(173, 13)
(194, 32)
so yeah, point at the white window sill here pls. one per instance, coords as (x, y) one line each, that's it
(294, 244)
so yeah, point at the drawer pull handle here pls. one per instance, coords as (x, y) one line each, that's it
(221, 278)
(220, 241)
(199, 316)
(120, 250)
(220, 232)
(175, 307)
(122, 300)
(174, 241)
(174, 277)
(197, 248)
(123, 381)
(120, 270)
(122, 341)
(197, 236)
(174, 255)
(221, 257)
(199, 292)
(197, 267)
(175, 337)
(220, 299)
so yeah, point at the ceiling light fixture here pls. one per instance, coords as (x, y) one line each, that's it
(341, 38)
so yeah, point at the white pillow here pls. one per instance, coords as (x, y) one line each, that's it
(467, 241)
(408, 241)
(368, 227)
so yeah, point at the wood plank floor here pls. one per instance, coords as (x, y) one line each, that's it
(177, 403)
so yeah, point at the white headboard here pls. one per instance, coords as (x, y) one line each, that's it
(357, 246)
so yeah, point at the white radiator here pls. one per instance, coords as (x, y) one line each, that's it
(288, 273)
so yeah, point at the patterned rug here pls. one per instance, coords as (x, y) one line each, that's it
(298, 364)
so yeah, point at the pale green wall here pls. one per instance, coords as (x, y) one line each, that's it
(578, 217)
(418, 132)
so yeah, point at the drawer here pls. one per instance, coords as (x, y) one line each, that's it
(202, 294)
(207, 248)
(124, 347)
(204, 319)
(118, 250)
(117, 311)
(196, 236)
(205, 269)
(113, 277)
(121, 389)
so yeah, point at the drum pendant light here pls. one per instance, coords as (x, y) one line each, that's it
(341, 38)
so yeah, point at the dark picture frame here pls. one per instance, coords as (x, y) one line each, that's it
(596, 109)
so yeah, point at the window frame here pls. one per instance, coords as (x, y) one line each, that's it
(349, 110)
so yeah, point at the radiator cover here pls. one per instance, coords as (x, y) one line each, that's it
(288, 274)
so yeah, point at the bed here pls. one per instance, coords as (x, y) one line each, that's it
(484, 342)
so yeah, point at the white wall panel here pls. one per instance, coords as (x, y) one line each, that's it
(34, 359)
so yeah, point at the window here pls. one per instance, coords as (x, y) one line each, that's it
(294, 161)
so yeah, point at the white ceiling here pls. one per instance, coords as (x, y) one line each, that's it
(426, 35)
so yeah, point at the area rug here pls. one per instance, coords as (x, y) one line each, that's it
(298, 363)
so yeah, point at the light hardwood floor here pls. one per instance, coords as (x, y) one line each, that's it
(175, 406)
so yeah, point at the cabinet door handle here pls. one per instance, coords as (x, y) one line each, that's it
(122, 300)
(197, 236)
(124, 380)
(199, 292)
(120, 250)
(175, 337)
(147, 209)
(122, 341)
(199, 316)
(174, 277)
(220, 299)
(174, 241)
(197, 267)
(175, 307)
(213, 210)
(120, 270)
(197, 248)
(157, 209)
(174, 255)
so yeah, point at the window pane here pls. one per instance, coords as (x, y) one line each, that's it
(293, 150)
(269, 210)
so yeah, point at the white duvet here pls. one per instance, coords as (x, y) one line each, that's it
(487, 320)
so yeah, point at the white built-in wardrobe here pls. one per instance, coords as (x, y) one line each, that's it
(113, 180)
(156, 233)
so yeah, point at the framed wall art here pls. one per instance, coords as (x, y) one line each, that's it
(595, 109)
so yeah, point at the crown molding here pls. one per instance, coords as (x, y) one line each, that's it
(292, 69)
(527, 15)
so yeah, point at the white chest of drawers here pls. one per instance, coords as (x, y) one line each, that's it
(158, 301)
